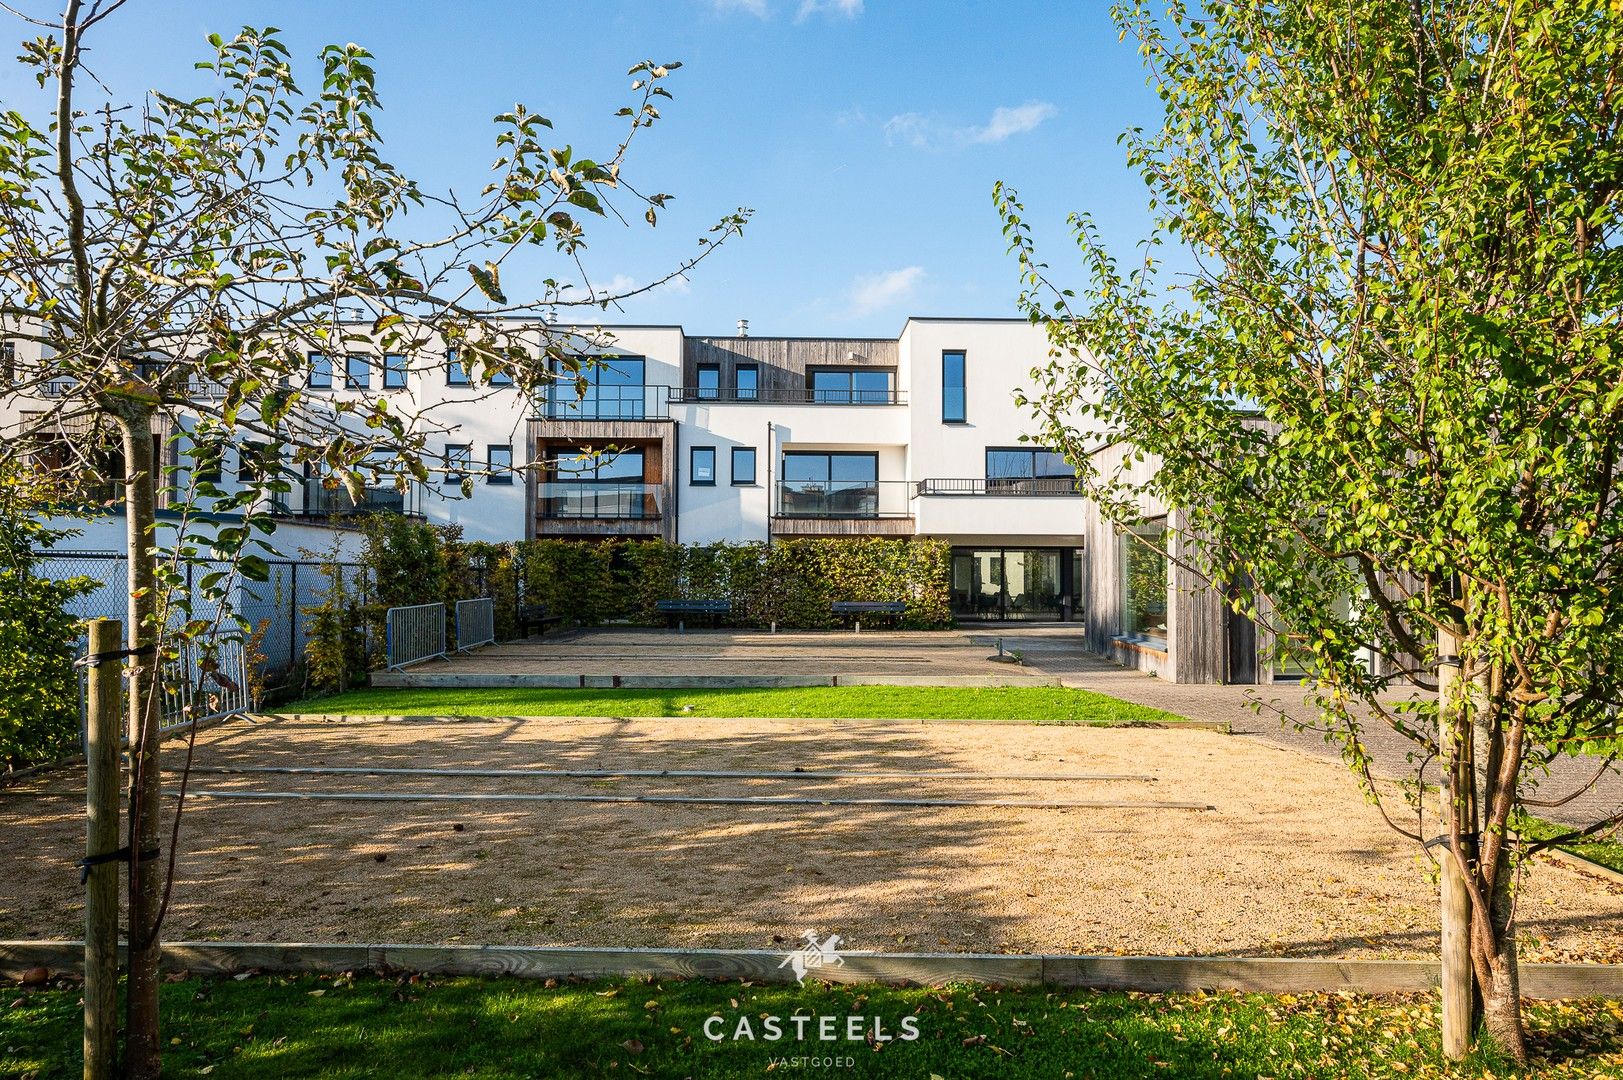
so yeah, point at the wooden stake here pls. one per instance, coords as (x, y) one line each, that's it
(103, 728)
(1458, 984)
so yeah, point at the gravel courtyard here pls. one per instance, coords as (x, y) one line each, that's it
(1290, 860)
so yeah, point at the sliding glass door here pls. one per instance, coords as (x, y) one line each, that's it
(1015, 584)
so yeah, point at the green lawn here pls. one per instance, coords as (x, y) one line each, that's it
(1608, 852)
(1028, 703)
(267, 1026)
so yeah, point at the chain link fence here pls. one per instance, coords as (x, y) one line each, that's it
(273, 608)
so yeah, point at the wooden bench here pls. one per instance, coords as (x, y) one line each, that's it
(673, 610)
(894, 608)
(535, 615)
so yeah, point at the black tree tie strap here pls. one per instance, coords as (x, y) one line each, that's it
(121, 855)
(98, 659)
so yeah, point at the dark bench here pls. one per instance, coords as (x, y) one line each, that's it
(673, 610)
(894, 608)
(535, 615)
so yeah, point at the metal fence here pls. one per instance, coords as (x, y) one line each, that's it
(274, 608)
(475, 623)
(413, 634)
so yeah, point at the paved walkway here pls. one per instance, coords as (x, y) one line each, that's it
(1059, 651)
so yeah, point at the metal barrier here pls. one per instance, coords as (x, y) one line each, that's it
(413, 634)
(203, 683)
(475, 623)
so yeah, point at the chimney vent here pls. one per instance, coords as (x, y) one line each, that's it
(743, 328)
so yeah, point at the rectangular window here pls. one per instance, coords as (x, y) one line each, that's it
(455, 373)
(614, 390)
(206, 464)
(852, 386)
(746, 382)
(1033, 471)
(458, 460)
(501, 377)
(394, 371)
(1144, 583)
(255, 461)
(597, 482)
(743, 465)
(500, 459)
(357, 372)
(8, 362)
(841, 484)
(702, 466)
(709, 382)
(952, 387)
(320, 371)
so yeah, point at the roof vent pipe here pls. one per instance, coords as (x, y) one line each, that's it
(743, 328)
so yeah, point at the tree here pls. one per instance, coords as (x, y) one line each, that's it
(174, 262)
(1390, 390)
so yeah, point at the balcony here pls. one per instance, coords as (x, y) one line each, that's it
(843, 508)
(794, 395)
(636, 401)
(1002, 485)
(600, 508)
(336, 503)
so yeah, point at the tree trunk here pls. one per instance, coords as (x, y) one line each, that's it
(1496, 953)
(142, 1059)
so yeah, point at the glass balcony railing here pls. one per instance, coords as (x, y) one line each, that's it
(597, 499)
(784, 395)
(843, 498)
(323, 501)
(633, 402)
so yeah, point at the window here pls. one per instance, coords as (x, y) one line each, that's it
(702, 465)
(1144, 583)
(841, 484)
(614, 390)
(746, 382)
(500, 459)
(394, 371)
(501, 377)
(743, 465)
(598, 483)
(455, 373)
(851, 386)
(357, 372)
(8, 362)
(320, 371)
(952, 387)
(255, 461)
(206, 464)
(1028, 471)
(458, 460)
(709, 382)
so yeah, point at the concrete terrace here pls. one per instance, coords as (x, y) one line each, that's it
(722, 659)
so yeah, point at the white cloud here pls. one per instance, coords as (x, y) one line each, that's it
(751, 7)
(618, 285)
(875, 292)
(849, 9)
(1006, 121)
(917, 129)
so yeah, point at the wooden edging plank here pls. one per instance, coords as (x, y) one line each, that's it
(655, 774)
(1174, 724)
(691, 800)
(1149, 974)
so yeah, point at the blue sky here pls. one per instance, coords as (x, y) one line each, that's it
(865, 134)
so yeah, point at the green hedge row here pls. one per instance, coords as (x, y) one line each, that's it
(792, 582)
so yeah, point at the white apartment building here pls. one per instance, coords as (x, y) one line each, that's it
(739, 438)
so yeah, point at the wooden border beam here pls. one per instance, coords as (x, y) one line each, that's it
(697, 774)
(691, 800)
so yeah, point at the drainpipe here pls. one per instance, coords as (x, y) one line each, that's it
(771, 455)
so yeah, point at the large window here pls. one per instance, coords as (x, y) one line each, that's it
(702, 466)
(599, 484)
(746, 382)
(952, 388)
(455, 373)
(1144, 583)
(743, 465)
(852, 386)
(458, 460)
(841, 484)
(1019, 470)
(614, 390)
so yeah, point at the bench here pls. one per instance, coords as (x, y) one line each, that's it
(894, 608)
(535, 615)
(673, 610)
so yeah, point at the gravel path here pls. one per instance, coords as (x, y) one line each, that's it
(1290, 862)
(1059, 653)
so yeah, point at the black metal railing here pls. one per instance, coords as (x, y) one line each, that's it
(338, 502)
(793, 395)
(843, 498)
(1001, 485)
(636, 402)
